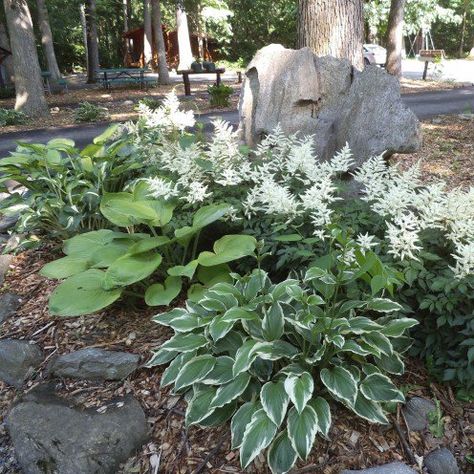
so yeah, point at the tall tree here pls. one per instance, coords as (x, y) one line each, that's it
(184, 42)
(332, 28)
(7, 63)
(90, 11)
(394, 38)
(126, 14)
(148, 33)
(28, 82)
(47, 39)
(163, 74)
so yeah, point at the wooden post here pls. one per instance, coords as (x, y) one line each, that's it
(187, 84)
(425, 71)
(218, 80)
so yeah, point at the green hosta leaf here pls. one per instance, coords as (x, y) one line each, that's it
(236, 314)
(219, 327)
(163, 295)
(221, 373)
(274, 401)
(259, 433)
(186, 323)
(227, 249)
(229, 392)
(391, 364)
(123, 211)
(130, 269)
(150, 243)
(82, 294)
(384, 305)
(64, 268)
(397, 327)
(165, 318)
(161, 357)
(378, 341)
(105, 256)
(84, 245)
(300, 389)
(379, 388)
(280, 291)
(275, 350)
(194, 371)
(377, 283)
(185, 342)
(105, 136)
(341, 383)
(352, 346)
(203, 217)
(302, 429)
(217, 301)
(362, 325)
(219, 415)
(369, 410)
(323, 413)
(172, 371)
(240, 420)
(163, 211)
(199, 408)
(281, 455)
(273, 324)
(184, 270)
(244, 357)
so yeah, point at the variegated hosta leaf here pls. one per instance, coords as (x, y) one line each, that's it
(165, 318)
(393, 364)
(384, 305)
(219, 416)
(274, 401)
(362, 325)
(397, 327)
(244, 357)
(273, 323)
(199, 407)
(323, 412)
(302, 429)
(378, 341)
(161, 357)
(186, 323)
(172, 371)
(229, 392)
(275, 350)
(300, 389)
(281, 455)
(194, 371)
(341, 383)
(221, 373)
(185, 342)
(379, 388)
(259, 433)
(219, 327)
(369, 410)
(240, 421)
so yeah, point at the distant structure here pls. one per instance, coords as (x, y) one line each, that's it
(4, 53)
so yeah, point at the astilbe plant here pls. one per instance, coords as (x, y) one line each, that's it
(275, 357)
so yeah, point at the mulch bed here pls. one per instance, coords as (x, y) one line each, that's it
(353, 442)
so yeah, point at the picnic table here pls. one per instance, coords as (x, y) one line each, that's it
(46, 76)
(430, 56)
(187, 84)
(125, 76)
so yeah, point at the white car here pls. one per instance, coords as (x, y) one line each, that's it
(376, 52)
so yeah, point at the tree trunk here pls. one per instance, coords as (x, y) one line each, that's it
(184, 43)
(30, 97)
(148, 35)
(163, 74)
(126, 16)
(463, 29)
(394, 38)
(92, 41)
(82, 11)
(47, 40)
(332, 28)
(7, 64)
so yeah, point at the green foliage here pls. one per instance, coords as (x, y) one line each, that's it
(87, 112)
(436, 421)
(272, 356)
(7, 92)
(219, 95)
(11, 117)
(151, 102)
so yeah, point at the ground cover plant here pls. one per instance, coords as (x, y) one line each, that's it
(219, 95)
(87, 112)
(11, 117)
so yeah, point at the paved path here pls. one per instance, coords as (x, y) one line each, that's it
(424, 104)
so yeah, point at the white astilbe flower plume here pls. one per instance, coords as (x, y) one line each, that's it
(403, 236)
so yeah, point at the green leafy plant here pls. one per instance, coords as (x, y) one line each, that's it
(101, 266)
(151, 102)
(12, 117)
(436, 421)
(219, 95)
(87, 112)
(273, 356)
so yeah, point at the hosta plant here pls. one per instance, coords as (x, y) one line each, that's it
(274, 358)
(101, 266)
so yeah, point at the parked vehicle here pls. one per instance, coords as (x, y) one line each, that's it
(378, 52)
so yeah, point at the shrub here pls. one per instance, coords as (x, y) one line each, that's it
(219, 95)
(150, 102)
(272, 356)
(87, 112)
(12, 117)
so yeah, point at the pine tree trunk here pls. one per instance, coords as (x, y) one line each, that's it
(163, 74)
(47, 40)
(82, 12)
(463, 28)
(126, 17)
(394, 38)
(184, 43)
(148, 36)
(7, 64)
(332, 28)
(92, 41)
(29, 89)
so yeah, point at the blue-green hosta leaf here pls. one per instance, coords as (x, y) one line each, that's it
(370, 369)
(203, 217)
(384, 305)
(229, 392)
(273, 324)
(219, 327)
(185, 342)
(391, 364)
(122, 210)
(379, 388)
(84, 245)
(302, 430)
(161, 357)
(378, 341)
(194, 371)
(240, 420)
(352, 346)
(323, 412)
(275, 401)
(172, 371)
(369, 410)
(227, 249)
(281, 455)
(275, 350)
(341, 383)
(64, 268)
(362, 325)
(110, 252)
(300, 389)
(397, 327)
(221, 373)
(259, 433)
(244, 357)
(199, 408)
(150, 243)
(131, 268)
(163, 295)
(184, 270)
(230, 345)
(82, 294)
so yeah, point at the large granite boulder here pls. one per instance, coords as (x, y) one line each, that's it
(416, 413)
(328, 98)
(52, 435)
(392, 468)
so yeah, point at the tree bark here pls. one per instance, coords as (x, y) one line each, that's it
(82, 12)
(47, 40)
(92, 41)
(184, 43)
(148, 35)
(9, 74)
(463, 28)
(332, 28)
(126, 15)
(163, 74)
(394, 38)
(29, 89)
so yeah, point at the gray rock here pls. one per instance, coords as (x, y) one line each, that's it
(128, 102)
(18, 361)
(5, 261)
(392, 468)
(7, 222)
(95, 364)
(51, 435)
(416, 413)
(9, 303)
(441, 461)
(327, 98)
